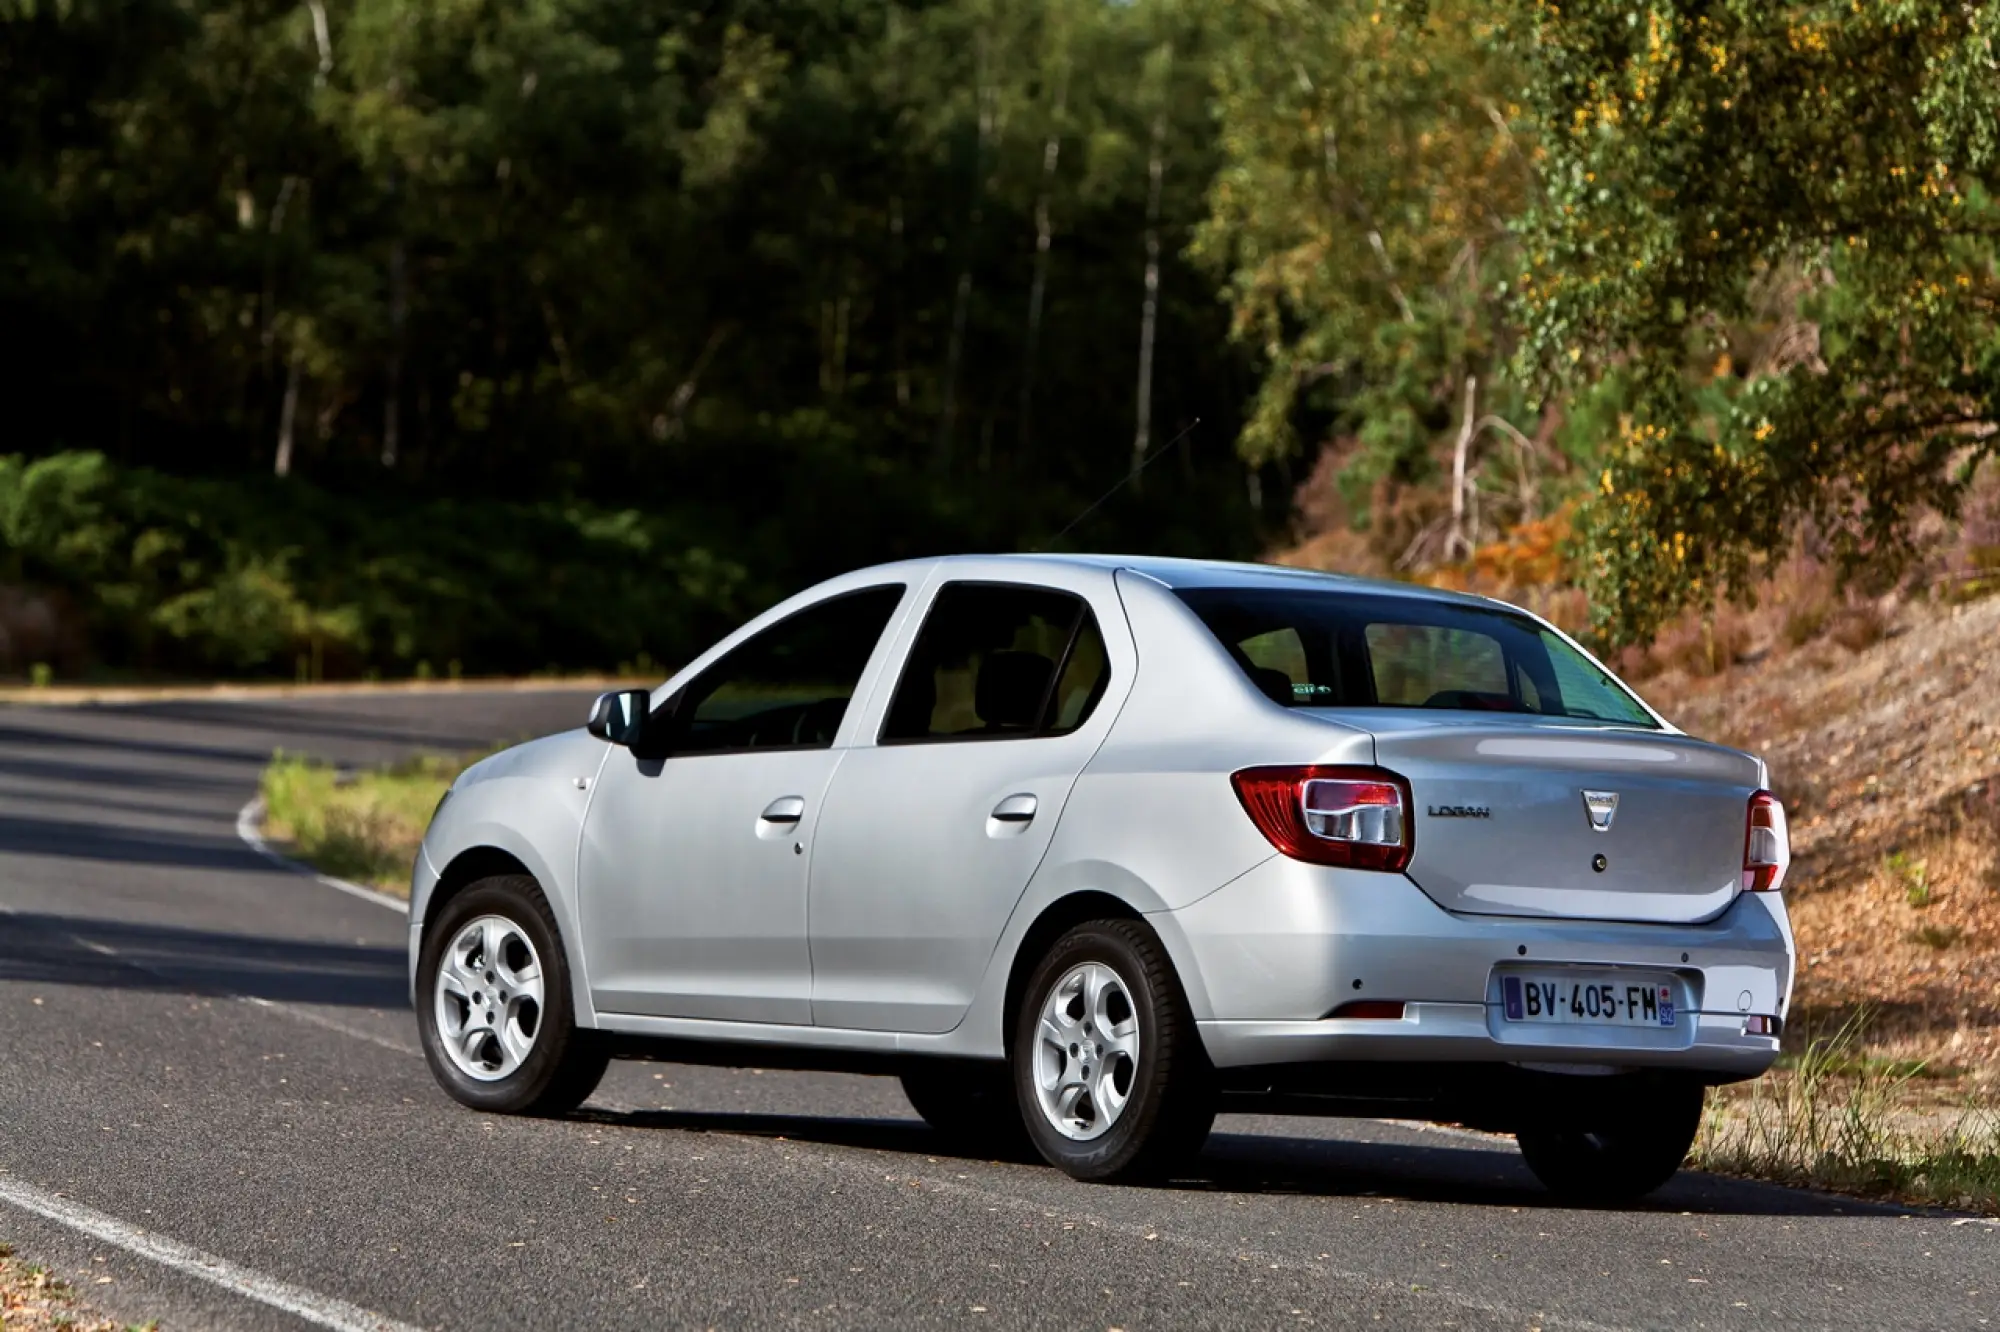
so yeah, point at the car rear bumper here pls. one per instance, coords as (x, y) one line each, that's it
(1278, 951)
(1715, 1045)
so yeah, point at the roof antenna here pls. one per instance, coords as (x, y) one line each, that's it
(1122, 483)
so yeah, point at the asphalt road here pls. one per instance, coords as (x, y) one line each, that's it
(217, 1052)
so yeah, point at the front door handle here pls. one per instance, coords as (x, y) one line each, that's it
(1015, 809)
(785, 809)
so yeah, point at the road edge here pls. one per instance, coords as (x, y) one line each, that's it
(58, 695)
(306, 1305)
(249, 829)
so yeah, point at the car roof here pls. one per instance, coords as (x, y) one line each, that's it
(1182, 573)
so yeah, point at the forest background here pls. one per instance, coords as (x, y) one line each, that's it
(411, 337)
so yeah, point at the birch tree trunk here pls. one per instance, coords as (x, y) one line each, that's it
(901, 335)
(1044, 237)
(1149, 311)
(392, 407)
(961, 307)
(1458, 545)
(288, 417)
(948, 416)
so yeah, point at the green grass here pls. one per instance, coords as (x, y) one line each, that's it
(1835, 1118)
(362, 826)
(1914, 875)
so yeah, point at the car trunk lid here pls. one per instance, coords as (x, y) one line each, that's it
(1543, 818)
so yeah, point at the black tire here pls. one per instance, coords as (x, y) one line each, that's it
(972, 1106)
(1171, 1091)
(564, 1064)
(1653, 1131)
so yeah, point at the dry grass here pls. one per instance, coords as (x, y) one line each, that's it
(1836, 1117)
(32, 1299)
(1889, 761)
(364, 826)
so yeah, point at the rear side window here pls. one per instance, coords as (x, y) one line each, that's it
(996, 660)
(1334, 650)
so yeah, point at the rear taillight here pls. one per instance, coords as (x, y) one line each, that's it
(1357, 818)
(1767, 845)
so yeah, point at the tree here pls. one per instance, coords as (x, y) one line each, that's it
(1359, 222)
(1824, 167)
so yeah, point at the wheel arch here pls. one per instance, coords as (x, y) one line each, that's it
(1073, 909)
(484, 859)
(469, 867)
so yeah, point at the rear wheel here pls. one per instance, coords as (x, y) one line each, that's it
(1109, 1071)
(493, 1004)
(971, 1105)
(1643, 1147)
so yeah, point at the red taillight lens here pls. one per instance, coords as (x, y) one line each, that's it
(1357, 818)
(1767, 845)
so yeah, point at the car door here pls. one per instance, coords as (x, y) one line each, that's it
(931, 834)
(692, 867)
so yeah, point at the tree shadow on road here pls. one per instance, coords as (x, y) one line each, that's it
(108, 843)
(1470, 1173)
(122, 955)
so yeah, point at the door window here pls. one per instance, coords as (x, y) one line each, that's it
(788, 687)
(995, 660)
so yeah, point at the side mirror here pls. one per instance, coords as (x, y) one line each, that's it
(620, 717)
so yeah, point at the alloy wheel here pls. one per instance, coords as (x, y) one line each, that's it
(1086, 1051)
(489, 998)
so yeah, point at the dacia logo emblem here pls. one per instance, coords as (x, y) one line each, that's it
(1602, 807)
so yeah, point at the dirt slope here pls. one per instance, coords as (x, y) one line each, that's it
(1888, 760)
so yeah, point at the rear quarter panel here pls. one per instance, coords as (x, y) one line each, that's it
(1153, 821)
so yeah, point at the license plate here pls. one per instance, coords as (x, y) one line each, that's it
(1588, 1000)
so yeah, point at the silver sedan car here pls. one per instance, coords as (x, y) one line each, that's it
(1086, 849)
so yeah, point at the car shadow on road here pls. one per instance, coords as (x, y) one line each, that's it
(1473, 1174)
(122, 955)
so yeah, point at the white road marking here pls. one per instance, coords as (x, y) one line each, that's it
(252, 814)
(308, 1016)
(311, 1306)
(295, 1011)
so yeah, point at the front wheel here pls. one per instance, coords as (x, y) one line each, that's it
(493, 1004)
(1109, 1070)
(1639, 1151)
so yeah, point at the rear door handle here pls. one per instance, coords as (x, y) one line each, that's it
(785, 809)
(1015, 809)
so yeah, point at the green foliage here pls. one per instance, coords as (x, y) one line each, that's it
(1772, 221)
(743, 293)
(1913, 875)
(1368, 173)
(747, 259)
(364, 826)
(245, 576)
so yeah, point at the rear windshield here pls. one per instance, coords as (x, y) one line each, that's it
(1334, 650)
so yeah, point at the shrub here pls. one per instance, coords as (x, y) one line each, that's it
(364, 826)
(1859, 626)
(260, 575)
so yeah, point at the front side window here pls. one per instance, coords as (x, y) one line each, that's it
(1345, 650)
(996, 660)
(788, 687)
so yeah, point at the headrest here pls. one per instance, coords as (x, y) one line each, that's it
(1273, 682)
(1008, 693)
